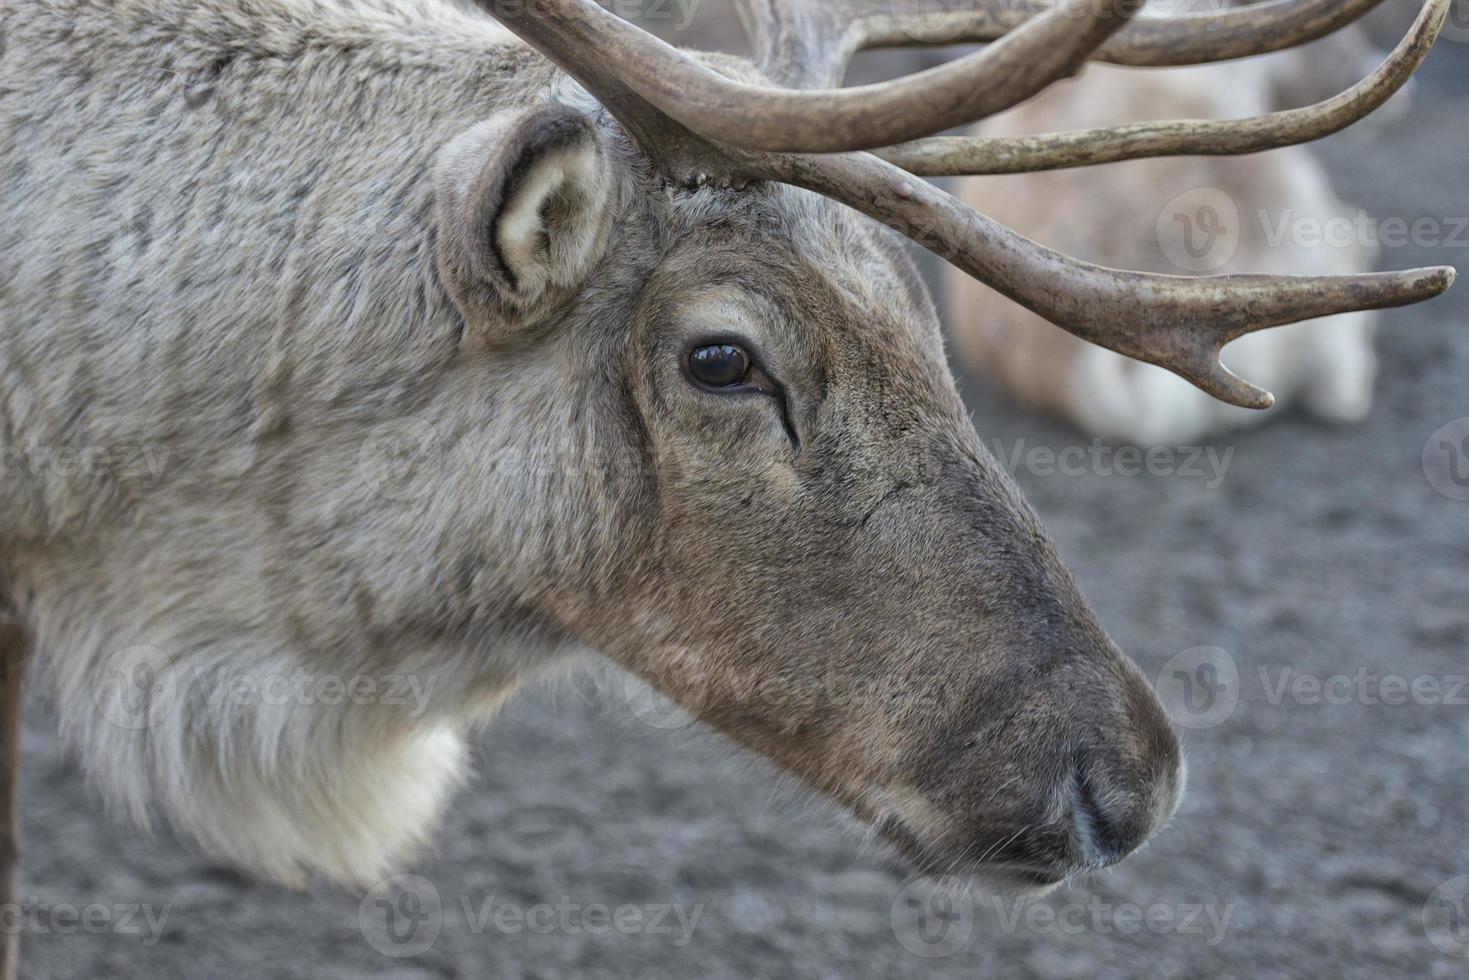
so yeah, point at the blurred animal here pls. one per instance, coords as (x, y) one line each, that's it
(1267, 211)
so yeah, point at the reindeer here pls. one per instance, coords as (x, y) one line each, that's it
(1328, 365)
(651, 372)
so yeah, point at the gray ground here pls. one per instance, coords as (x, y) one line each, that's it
(1319, 830)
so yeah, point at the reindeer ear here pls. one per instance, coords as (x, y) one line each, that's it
(524, 203)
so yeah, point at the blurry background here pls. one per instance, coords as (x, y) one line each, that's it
(1321, 569)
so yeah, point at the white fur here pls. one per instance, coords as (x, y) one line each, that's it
(283, 785)
(523, 232)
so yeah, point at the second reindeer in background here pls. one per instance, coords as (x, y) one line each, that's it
(1180, 215)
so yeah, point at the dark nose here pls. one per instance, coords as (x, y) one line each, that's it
(1112, 813)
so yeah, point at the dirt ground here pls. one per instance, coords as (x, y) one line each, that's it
(1321, 835)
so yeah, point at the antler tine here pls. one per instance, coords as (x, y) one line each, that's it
(1179, 323)
(1182, 39)
(595, 44)
(952, 156)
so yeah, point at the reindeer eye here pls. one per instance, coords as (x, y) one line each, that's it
(719, 365)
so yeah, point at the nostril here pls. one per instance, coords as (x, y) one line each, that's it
(1103, 836)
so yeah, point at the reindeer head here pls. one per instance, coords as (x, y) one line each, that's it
(800, 537)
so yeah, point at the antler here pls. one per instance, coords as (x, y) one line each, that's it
(954, 156)
(1044, 49)
(1179, 39)
(700, 126)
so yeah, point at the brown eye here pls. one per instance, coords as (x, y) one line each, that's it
(719, 365)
